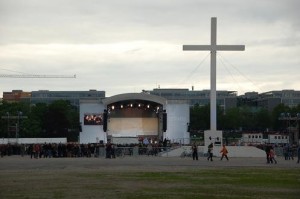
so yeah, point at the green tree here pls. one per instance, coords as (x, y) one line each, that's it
(246, 118)
(231, 119)
(59, 119)
(262, 119)
(35, 125)
(276, 113)
(199, 117)
(12, 111)
(56, 122)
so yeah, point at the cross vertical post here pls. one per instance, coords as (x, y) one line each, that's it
(213, 76)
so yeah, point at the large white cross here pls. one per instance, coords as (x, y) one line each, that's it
(213, 48)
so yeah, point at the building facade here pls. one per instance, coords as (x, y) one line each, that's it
(46, 96)
(271, 99)
(225, 99)
(16, 96)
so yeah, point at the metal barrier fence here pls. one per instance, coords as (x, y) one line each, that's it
(57, 151)
(135, 151)
(53, 150)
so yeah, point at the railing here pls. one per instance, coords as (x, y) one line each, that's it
(121, 152)
(65, 151)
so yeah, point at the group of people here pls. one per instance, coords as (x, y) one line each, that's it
(49, 150)
(223, 152)
(270, 152)
(112, 150)
(287, 151)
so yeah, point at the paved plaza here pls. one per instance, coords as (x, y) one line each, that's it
(138, 163)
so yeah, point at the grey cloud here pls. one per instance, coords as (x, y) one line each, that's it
(167, 24)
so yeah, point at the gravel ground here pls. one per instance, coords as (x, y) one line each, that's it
(139, 163)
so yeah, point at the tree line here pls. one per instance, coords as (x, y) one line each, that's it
(61, 119)
(245, 118)
(58, 119)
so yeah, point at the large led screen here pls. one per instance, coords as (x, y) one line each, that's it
(93, 119)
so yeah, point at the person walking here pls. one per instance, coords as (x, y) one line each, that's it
(224, 152)
(195, 151)
(272, 156)
(268, 148)
(210, 152)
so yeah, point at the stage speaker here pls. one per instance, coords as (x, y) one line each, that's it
(105, 121)
(164, 122)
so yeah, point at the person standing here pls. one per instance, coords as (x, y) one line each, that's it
(224, 152)
(290, 152)
(210, 152)
(298, 153)
(285, 152)
(149, 149)
(108, 150)
(195, 151)
(268, 153)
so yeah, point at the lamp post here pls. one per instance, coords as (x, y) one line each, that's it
(7, 114)
(18, 124)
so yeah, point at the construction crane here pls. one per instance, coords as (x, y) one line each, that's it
(35, 76)
(27, 75)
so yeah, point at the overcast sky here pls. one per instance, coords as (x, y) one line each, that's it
(122, 46)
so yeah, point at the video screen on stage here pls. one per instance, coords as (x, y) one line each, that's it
(93, 119)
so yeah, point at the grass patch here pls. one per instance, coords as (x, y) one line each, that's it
(197, 183)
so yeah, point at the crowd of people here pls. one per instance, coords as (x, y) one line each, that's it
(49, 150)
(109, 150)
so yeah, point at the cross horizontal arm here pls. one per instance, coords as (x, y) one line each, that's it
(230, 47)
(197, 47)
(210, 47)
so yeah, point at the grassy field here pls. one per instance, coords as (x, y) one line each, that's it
(197, 183)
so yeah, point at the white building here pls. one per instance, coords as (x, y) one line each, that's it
(257, 138)
(252, 138)
(278, 139)
(128, 118)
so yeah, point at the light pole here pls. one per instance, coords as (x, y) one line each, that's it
(7, 114)
(18, 124)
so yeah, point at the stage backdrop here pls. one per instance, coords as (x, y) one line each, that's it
(132, 122)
